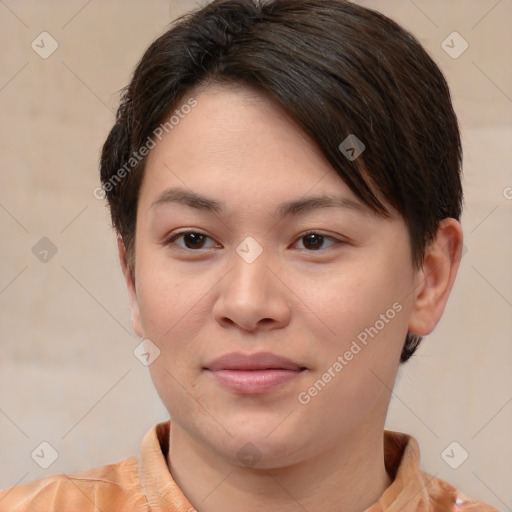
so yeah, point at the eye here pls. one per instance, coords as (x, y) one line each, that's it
(191, 240)
(313, 241)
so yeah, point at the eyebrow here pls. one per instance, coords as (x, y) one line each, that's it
(293, 208)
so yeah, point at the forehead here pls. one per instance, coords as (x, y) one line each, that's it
(232, 124)
(238, 136)
(242, 148)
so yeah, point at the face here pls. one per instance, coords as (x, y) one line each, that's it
(280, 318)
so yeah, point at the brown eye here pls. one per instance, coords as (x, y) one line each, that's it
(315, 241)
(190, 240)
(194, 240)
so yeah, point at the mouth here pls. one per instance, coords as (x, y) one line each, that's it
(254, 374)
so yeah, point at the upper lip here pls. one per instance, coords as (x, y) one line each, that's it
(259, 361)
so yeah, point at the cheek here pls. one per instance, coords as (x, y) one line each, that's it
(354, 297)
(172, 316)
(169, 298)
(357, 365)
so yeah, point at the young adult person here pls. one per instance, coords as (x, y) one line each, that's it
(284, 180)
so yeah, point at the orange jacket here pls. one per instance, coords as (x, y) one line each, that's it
(144, 484)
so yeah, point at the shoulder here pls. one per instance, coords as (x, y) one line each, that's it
(444, 497)
(110, 487)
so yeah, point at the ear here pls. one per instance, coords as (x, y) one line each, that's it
(130, 285)
(435, 279)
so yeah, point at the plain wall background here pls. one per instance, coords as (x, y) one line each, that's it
(68, 375)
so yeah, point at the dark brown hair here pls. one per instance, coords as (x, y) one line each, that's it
(337, 69)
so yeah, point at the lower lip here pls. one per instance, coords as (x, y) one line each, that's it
(251, 382)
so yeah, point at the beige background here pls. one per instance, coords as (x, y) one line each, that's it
(67, 372)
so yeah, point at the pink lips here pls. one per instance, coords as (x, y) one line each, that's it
(253, 374)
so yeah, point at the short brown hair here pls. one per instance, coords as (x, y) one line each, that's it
(338, 69)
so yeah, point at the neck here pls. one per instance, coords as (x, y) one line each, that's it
(350, 476)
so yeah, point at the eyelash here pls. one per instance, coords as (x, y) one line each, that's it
(175, 236)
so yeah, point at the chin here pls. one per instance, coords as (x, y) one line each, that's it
(263, 452)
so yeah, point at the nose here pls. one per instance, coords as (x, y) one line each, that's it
(251, 297)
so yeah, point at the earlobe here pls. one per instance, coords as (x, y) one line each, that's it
(435, 279)
(129, 279)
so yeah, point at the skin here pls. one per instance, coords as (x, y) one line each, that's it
(307, 304)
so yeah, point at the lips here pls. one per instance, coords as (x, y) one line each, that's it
(260, 361)
(255, 373)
